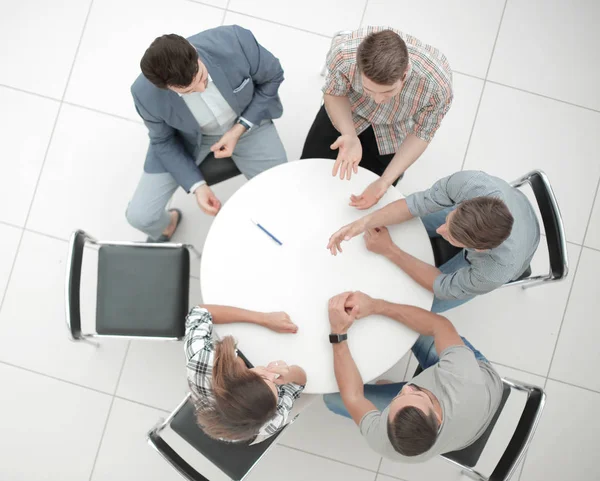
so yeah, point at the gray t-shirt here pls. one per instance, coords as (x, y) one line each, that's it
(469, 392)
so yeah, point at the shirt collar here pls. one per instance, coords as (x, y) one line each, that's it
(209, 81)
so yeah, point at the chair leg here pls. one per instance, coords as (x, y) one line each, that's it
(87, 341)
(471, 473)
(196, 251)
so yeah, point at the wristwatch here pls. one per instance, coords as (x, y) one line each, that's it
(245, 124)
(337, 338)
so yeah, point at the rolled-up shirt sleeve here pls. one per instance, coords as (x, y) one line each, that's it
(429, 118)
(287, 395)
(464, 283)
(338, 81)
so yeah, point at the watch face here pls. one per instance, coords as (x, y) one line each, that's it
(336, 338)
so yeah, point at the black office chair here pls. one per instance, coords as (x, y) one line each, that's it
(142, 289)
(443, 251)
(218, 170)
(234, 459)
(467, 458)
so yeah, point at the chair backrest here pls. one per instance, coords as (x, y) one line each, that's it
(471, 454)
(234, 459)
(521, 438)
(73, 283)
(552, 220)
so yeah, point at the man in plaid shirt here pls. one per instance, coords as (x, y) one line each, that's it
(385, 96)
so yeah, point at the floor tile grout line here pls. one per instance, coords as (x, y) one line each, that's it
(30, 92)
(83, 386)
(225, 12)
(567, 383)
(279, 23)
(524, 371)
(542, 95)
(123, 398)
(462, 166)
(110, 114)
(392, 476)
(378, 467)
(487, 72)
(216, 7)
(564, 314)
(112, 402)
(572, 285)
(10, 224)
(50, 376)
(37, 182)
(483, 88)
(362, 17)
(77, 50)
(325, 457)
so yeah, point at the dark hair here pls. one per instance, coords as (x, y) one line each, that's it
(170, 61)
(382, 57)
(242, 403)
(412, 432)
(481, 223)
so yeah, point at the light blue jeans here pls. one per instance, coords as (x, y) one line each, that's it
(431, 223)
(382, 395)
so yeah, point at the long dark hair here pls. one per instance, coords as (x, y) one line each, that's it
(243, 402)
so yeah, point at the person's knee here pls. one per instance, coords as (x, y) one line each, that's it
(140, 217)
(334, 403)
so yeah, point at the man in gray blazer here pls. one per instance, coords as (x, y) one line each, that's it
(214, 92)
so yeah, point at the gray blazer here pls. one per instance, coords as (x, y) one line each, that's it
(233, 57)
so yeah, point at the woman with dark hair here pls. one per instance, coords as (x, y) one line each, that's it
(234, 402)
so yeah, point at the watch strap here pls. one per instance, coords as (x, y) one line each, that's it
(337, 338)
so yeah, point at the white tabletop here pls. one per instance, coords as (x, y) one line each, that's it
(302, 205)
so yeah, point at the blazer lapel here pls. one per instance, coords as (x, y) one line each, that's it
(220, 80)
(181, 110)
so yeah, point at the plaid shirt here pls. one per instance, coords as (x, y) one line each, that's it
(419, 108)
(200, 354)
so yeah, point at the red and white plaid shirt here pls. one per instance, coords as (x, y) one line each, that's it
(419, 107)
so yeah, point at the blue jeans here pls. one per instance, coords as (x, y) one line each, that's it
(381, 395)
(431, 223)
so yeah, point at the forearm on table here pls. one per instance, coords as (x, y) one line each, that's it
(347, 376)
(340, 113)
(409, 151)
(394, 213)
(419, 320)
(424, 274)
(228, 314)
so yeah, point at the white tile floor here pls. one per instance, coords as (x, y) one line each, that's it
(72, 148)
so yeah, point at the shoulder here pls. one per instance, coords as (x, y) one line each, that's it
(429, 63)
(218, 41)
(148, 95)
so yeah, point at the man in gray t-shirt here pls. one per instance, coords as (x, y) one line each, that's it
(443, 409)
(493, 223)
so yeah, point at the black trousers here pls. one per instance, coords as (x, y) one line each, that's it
(322, 134)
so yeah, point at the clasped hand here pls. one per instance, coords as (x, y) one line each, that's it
(345, 308)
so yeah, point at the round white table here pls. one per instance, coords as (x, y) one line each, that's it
(301, 204)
